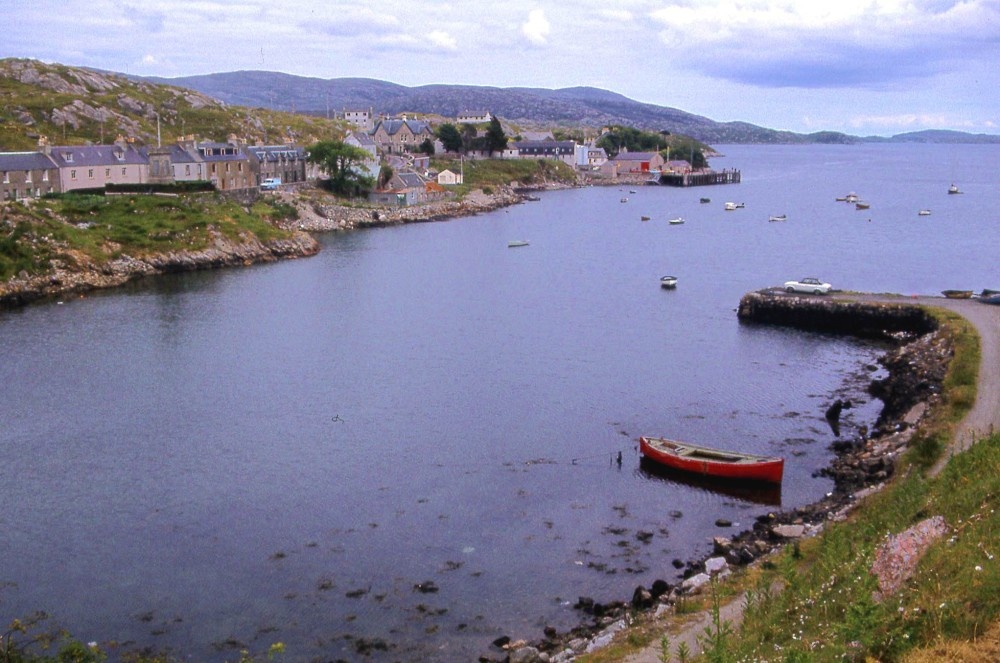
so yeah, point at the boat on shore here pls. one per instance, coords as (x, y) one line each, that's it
(517, 242)
(957, 294)
(668, 282)
(733, 465)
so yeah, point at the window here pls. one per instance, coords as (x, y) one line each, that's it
(27, 177)
(90, 173)
(68, 156)
(124, 171)
(72, 174)
(6, 177)
(45, 176)
(187, 169)
(107, 172)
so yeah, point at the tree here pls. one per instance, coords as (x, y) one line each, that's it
(341, 162)
(448, 134)
(385, 174)
(426, 147)
(496, 139)
(469, 134)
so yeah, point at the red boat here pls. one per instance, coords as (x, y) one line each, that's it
(712, 462)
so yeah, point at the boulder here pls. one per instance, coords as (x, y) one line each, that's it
(714, 565)
(696, 582)
(788, 531)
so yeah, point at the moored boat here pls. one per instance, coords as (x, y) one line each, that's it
(644, 218)
(924, 212)
(861, 205)
(668, 282)
(675, 222)
(953, 189)
(517, 242)
(712, 462)
(957, 294)
(732, 206)
(779, 217)
(705, 200)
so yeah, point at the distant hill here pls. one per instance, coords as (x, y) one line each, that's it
(528, 107)
(74, 105)
(945, 136)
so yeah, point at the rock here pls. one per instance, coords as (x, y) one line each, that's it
(721, 545)
(599, 643)
(723, 522)
(659, 588)
(585, 603)
(833, 412)
(714, 565)
(525, 655)
(694, 583)
(677, 563)
(502, 641)
(426, 587)
(642, 598)
(564, 656)
(578, 645)
(788, 531)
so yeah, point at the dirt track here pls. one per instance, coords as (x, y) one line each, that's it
(983, 418)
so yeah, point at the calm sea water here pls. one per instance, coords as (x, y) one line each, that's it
(212, 461)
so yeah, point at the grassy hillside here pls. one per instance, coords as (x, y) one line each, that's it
(75, 231)
(73, 106)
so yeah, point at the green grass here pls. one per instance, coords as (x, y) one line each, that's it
(78, 228)
(494, 173)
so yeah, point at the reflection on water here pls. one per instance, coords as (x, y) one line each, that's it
(755, 492)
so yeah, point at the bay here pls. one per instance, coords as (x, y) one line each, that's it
(206, 462)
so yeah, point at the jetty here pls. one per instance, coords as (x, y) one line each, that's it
(707, 178)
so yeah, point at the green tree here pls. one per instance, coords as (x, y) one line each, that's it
(341, 162)
(496, 139)
(449, 136)
(426, 147)
(469, 134)
(385, 174)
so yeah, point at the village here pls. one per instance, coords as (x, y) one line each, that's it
(403, 144)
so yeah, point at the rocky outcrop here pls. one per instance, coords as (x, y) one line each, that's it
(86, 275)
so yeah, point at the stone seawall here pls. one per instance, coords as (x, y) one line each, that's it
(865, 319)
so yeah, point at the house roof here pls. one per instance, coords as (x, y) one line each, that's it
(96, 155)
(25, 161)
(362, 139)
(392, 127)
(210, 151)
(562, 145)
(411, 180)
(635, 156)
(272, 153)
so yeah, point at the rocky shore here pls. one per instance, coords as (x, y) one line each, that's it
(915, 369)
(86, 275)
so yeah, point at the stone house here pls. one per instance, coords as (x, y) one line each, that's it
(227, 165)
(474, 117)
(363, 119)
(367, 143)
(27, 175)
(96, 166)
(633, 163)
(405, 188)
(399, 136)
(563, 150)
(284, 162)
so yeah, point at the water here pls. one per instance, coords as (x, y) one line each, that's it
(211, 461)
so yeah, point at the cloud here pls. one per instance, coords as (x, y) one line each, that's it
(537, 28)
(793, 43)
(442, 40)
(150, 21)
(353, 22)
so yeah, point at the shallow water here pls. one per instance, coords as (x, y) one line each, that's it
(209, 461)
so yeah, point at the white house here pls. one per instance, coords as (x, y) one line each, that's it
(446, 177)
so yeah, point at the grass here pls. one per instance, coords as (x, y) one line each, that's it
(494, 173)
(76, 228)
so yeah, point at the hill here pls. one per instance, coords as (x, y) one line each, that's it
(73, 105)
(527, 107)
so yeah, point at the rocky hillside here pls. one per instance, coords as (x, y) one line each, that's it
(527, 107)
(73, 105)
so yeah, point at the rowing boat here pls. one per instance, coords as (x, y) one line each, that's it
(712, 462)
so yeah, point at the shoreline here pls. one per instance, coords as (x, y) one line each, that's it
(862, 465)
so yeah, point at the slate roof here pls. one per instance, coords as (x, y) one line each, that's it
(392, 127)
(25, 161)
(563, 146)
(273, 153)
(635, 156)
(216, 152)
(411, 180)
(83, 156)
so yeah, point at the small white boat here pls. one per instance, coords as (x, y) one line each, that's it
(631, 190)
(780, 217)
(924, 212)
(668, 282)
(851, 197)
(624, 200)
(732, 206)
(517, 242)
(953, 189)
(676, 222)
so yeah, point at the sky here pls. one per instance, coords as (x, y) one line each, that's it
(863, 67)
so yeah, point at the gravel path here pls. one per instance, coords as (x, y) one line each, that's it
(979, 422)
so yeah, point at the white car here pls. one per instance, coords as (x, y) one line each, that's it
(808, 284)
